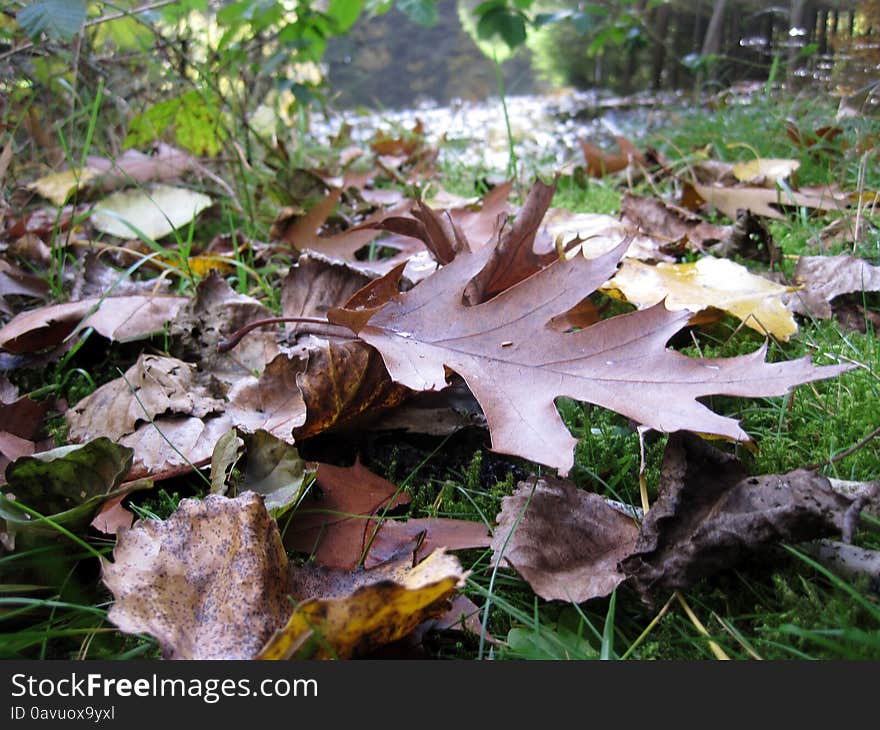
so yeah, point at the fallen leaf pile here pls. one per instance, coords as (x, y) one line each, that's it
(424, 313)
(709, 516)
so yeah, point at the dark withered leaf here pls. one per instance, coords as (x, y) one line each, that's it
(710, 515)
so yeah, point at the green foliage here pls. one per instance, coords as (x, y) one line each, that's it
(194, 119)
(423, 12)
(498, 18)
(564, 638)
(58, 19)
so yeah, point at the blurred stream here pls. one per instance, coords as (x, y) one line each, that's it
(545, 128)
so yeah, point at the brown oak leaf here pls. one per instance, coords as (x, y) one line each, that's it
(516, 365)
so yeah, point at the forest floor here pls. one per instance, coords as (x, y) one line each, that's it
(767, 599)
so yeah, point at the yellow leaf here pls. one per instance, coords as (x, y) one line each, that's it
(58, 185)
(709, 282)
(375, 614)
(764, 170)
(154, 211)
(202, 265)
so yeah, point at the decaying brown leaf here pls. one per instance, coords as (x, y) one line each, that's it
(564, 541)
(848, 561)
(825, 277)
(152, 387)
(343, 383)
(711, 514)
(315, 285)
(116, 318)
(164, 163)
(159, 409)
(113, 517)
(95, 278)
(429, 533)
(213, 582)
(209, 582)
(271, 402)
(208, 318)
(342, 525)
(654, 217)
(336, 524)
(388, 603)
(600, 163)
(516, 366)
(16, 281)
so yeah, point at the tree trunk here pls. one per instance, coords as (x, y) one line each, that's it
(658, 57)
(712, 39)
(796, 32)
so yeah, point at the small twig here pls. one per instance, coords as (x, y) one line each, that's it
(650, 627)
(751, 652)
(848, 452)
(698, 625)
(318, 327)
(643, 482)
(854, 511)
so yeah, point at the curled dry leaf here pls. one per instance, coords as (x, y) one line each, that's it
(391, 602)
(315, 285)
(668, 223)
(20, 415)
(165, 163)
(343, 383)
(271, 402)
(429, 533)
(709, 282)
(272, 469)
(214, 313)
(849, 561)
(750, 239)
(514, 257)
(710, 514)
(209, 582)
(601, 163)
(40, 224)
(154, 386)
(565, 542)
(113, 517)
(760, 201)
(597, 234)
(516, 366)
(823, 278)
(94, 279)
(344, 525)
(16, 281)
(159, 409)
(440, 413)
